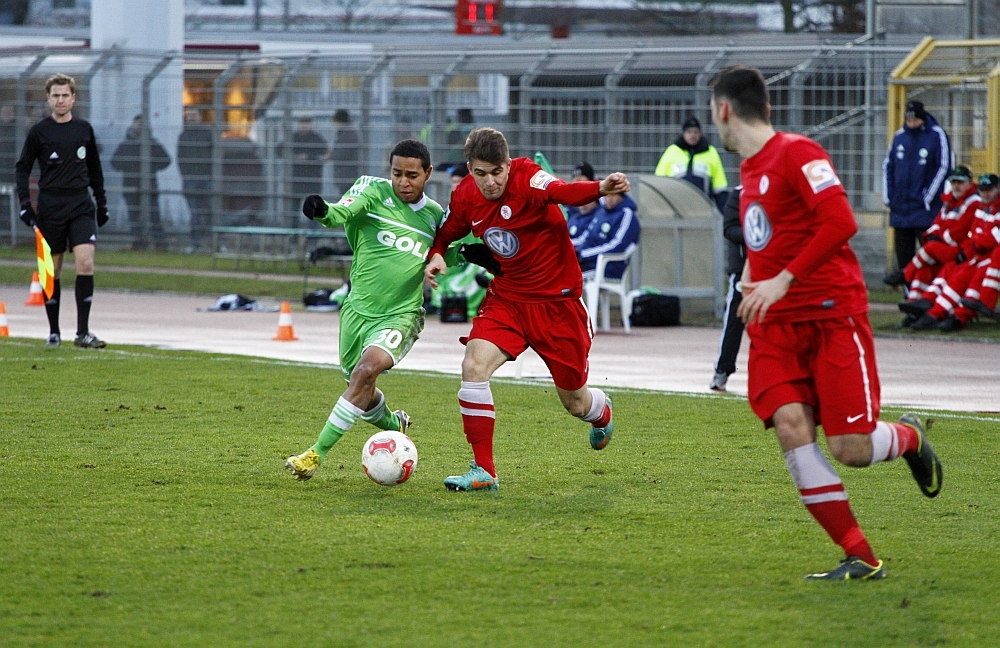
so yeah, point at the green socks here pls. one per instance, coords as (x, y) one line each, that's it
(342, 418)
(345, 415)
(380, 416)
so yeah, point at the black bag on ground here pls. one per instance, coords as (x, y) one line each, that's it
(656, 310)
(320, 299)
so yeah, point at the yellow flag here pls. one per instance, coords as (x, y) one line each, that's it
(46, 269)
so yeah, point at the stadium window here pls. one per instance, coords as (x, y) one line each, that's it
(233, 3)
(64, 4)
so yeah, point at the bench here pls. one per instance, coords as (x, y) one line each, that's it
(270, 244)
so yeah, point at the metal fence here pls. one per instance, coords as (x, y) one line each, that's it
(616, 107)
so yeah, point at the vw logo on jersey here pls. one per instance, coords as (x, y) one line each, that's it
(81, 152)
(765, 183)
(505, 212)
(502, 241)
(756, 227)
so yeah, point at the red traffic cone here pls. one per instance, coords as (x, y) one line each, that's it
(35, 295)
(285, 332)
(4, 331)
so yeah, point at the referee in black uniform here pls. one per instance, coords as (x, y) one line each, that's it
(66, 151)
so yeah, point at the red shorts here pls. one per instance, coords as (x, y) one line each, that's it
(558, 331)
(828, 364)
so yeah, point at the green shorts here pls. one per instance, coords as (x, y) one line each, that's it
(394, 334)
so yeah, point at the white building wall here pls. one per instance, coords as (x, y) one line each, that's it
(156, 27)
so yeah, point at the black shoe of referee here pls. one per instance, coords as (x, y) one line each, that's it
(89, 341)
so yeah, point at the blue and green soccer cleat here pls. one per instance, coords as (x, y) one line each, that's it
(476, 479)
(601, 437)
(851, 568)
(924, 463)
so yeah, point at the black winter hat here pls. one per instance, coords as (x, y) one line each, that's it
(584, 169)
(691, 122)
(916, 109)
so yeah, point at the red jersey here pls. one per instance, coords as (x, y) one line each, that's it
(782, 186)
(524, 228)
(984, 235)
(955, 218)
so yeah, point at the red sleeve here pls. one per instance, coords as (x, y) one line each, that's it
(556, 190)
(984, 242)
(812, 174)
(837, 228)
(959, 231)
(574, 193)
(454, 227)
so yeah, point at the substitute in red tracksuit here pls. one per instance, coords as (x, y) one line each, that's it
(940, 243)
(946, 312)
(534, 299)
(812, 353)
(981, 294)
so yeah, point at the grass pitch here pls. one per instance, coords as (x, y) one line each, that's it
(143, 503)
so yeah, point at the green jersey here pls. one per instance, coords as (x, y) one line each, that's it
(390, 239)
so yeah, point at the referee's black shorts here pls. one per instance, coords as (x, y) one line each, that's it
(67, 220)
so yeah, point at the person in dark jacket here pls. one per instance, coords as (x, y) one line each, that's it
(128, 160)
(732, 325)
(913, 175)
(194, 157)
(346, 152)
(613, 229)
(578, 218)
(8, 144)
(309, 151)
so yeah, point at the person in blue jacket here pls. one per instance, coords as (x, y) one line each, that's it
(578, 218)
(614, 228)
(913, 176)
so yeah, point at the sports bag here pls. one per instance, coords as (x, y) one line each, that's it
(656, 310)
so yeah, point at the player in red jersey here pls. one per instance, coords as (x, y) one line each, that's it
(534, 299)
(812, 356)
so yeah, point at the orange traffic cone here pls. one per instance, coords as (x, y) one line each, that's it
(4, 331)
(285, 332)
(35, 295)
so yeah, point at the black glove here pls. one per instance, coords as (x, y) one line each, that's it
(961, 258)
(314, 207)
(479, 254)
(102, 215)
(933, 237)
(27, 213)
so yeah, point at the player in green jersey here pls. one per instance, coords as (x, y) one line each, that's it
(390, 225)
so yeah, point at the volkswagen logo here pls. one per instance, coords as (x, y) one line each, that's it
(756, 227)
(501, 241)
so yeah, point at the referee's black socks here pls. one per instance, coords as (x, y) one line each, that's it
(84, 297)
(52, 307)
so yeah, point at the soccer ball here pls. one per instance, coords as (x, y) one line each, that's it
(389, 458)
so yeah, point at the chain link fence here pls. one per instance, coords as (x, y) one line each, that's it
(248, 134)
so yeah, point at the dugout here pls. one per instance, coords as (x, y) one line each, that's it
(959, 83)
(681, 250)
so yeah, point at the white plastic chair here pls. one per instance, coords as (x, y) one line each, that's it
(597, 291)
